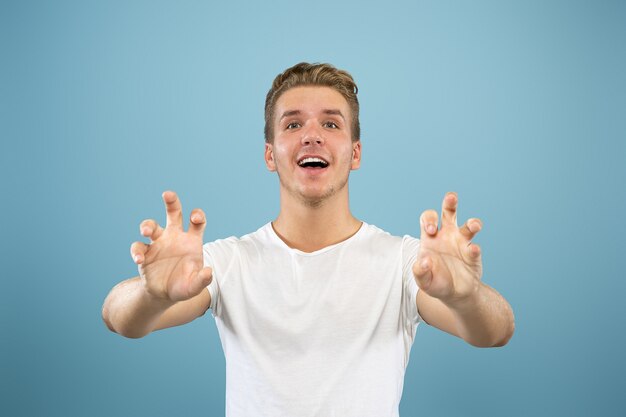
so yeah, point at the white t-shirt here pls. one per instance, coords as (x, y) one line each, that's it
(326, 333)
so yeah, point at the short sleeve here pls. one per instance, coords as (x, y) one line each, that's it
(410, 248)
(213, 287)
(409, 314)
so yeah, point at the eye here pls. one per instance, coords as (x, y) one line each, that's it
(331, 125)
(293, 125)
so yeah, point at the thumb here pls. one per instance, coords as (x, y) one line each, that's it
(190, 284)
(422, 271)
(200, 280)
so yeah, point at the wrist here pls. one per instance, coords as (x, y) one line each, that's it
(151, 297)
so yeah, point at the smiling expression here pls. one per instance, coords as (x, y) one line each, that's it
(312, 151)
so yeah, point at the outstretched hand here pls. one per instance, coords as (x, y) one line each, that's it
(448, 265)
(171, 266)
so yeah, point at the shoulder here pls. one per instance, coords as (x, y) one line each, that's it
(374, 240)
(380, 240)
(232, 245)
(374, 233)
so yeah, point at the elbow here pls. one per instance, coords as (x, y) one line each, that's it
(491, 343)
(507, 337)
(508, 328)
(128, 333)
(507, 334)
(496, 338)
(106, 318)
(503, 342)
(131, 335)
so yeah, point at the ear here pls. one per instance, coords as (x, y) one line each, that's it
(356, 155)
(269, 157)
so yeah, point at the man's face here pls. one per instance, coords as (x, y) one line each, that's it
(312, 150)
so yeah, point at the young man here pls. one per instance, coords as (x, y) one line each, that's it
(316, 310)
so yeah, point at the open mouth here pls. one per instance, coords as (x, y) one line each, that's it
(312, 162)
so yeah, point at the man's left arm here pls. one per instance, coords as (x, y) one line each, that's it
(448, 270)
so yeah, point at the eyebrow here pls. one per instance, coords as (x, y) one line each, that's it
(290, 113)
(334, 112)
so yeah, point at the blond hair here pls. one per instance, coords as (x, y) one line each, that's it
(305, 74)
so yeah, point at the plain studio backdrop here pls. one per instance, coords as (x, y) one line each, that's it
(519, 106)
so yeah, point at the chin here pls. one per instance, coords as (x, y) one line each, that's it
(313, 195)
(315, 198)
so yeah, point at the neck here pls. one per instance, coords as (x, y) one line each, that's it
(311, 227)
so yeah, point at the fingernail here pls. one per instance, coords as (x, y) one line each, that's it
(424, 264)
(136, 258)
(430, 228)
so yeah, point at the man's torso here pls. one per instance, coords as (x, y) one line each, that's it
(322, 333)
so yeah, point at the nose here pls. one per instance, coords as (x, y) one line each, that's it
(312, 134)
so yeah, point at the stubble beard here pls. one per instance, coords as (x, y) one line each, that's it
(313, 201)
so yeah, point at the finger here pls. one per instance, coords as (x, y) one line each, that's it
(428, 223)
(422, 270)
(150, 229)
(474, 252)
(173, 209)
(138, 252)
(448, 209)
(470, 228)
(197, 222)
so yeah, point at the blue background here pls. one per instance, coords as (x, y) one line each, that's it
(518, 106)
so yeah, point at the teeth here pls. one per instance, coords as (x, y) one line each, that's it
(312, 160)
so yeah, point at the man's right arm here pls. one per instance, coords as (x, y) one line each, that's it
(171, 288)
(131, 311)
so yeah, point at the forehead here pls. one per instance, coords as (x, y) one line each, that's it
(311, 99)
